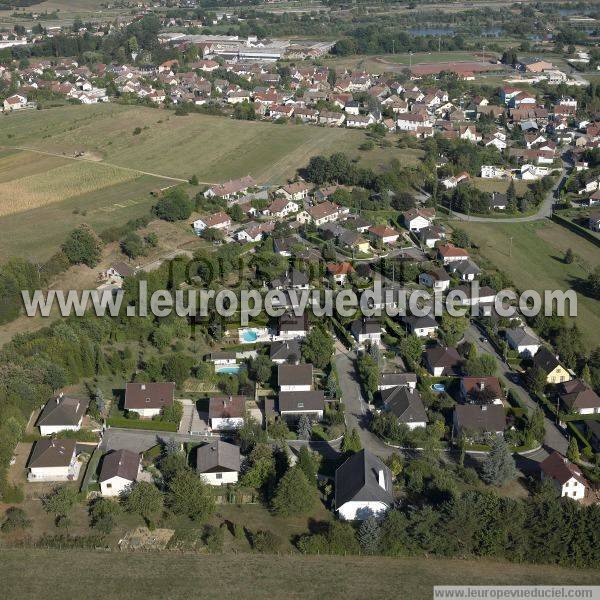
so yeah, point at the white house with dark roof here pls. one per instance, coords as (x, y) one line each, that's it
(366, 331)
(363, 487)
(295, 378)
(406, 405)
(148, 399)
(392, 380)
(292, 405)
(62, 414)
(226, 413)
(285, 351)
(523, 340)
(53, 460)
(119, 470)
(566, 476)
(218, 462)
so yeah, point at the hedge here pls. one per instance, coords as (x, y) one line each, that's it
(342, 334)
(91, 469)
(580, 437)
(141, 424)
(582, 231)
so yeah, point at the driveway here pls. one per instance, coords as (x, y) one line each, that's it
(355, 406)
(554, 439)
(140, 440)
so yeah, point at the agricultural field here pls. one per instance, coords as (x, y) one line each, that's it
(213, 148)
(56, 184)
(177, 575)
(531, 254)
(63, 166)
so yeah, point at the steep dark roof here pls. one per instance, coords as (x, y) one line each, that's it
(577, 394)
(483, 418)
(52, 453)
(149, 395)
(217, 456)
(226, 407)
(284, 350)
(63, 410)
(358, 479)
(405, 403)
(295, 374)
(365, 326)
(561, 469)
(291, 278)
(545, 360)
(301, 401)
(292, 322)
(120, 463)
(397, 379)
(441, 356)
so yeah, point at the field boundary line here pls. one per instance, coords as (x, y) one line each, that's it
(101, 162)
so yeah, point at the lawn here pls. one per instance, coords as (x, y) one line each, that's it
(536, 261)
(499, 185)
(29, 573)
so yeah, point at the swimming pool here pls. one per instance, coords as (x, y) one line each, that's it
(438, 387)
(249, 336)
(229, 369)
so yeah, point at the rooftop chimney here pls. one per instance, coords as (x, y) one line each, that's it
(143, 386)
(381, 478)
(483, 407)
(481, 385)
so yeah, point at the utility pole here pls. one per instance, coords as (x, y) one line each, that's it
(510, 246)
(483, 54)
(393, 46)
(410, 59)
(439, 43)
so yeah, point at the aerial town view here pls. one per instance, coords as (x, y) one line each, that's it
(299, 299)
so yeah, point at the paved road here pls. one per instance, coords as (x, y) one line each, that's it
(355, 406)
(554, 439)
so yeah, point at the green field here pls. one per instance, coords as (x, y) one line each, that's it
(535, 261)
(45, 189)
(85, 574)
(213, 148)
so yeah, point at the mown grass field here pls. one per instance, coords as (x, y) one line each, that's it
(213, 148)
(44, 192)
(85, 574)
(536, 262)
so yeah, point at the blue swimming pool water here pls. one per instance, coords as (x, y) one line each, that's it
(249, 336)
(230, 369)
(438, 387)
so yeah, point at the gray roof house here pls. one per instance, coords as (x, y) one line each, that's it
(523, 340)
(286, 351)
(405, 403)
(62, 413)
(363, 487)
(294, 404)
(390, 380)
(218, 462)
(479, 419)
